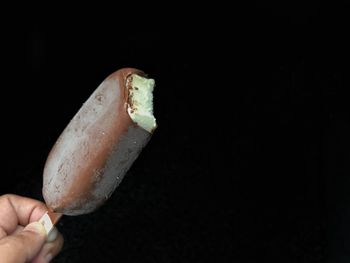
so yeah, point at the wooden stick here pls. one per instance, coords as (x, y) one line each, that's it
(49, 220)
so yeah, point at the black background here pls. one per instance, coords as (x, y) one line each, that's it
(250, 161)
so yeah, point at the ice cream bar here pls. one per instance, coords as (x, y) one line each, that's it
(96, 149)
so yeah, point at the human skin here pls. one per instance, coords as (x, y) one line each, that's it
(22, 238)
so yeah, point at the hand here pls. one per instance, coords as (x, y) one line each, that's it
(22, 238)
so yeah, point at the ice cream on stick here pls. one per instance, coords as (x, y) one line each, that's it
(96, 149)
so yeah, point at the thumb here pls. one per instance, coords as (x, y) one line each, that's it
(23, 246)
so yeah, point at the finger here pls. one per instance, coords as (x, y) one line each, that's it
(23, 246)
(16, 210)
(50, 248)
(3, 233)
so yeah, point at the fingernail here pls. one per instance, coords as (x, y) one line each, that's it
(53, 235)
(36, 227)
(48, 257)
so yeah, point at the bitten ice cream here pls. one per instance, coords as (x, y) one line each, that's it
(96, 149)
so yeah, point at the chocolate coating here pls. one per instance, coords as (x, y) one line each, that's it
(93, 153)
